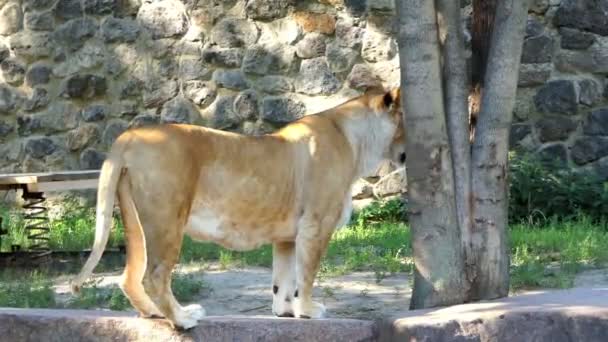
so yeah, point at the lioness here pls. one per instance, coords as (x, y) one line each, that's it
(290, 188)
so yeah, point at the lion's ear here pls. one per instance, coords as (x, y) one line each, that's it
(392, 98)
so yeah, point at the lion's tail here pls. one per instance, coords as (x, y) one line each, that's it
(106, 193)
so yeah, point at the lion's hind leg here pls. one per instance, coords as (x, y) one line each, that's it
(163, 247)
(135, 268)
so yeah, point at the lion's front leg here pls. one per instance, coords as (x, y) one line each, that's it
(311, 243)
(283, 278)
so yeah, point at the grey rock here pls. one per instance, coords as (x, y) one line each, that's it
(554, 128)
(40, 98)
(39, 21)
(227, 58)
(382, 6)
(377, 47)
(222, 113)
(534, 74)
(255, 128)
(517, 133)
(4, 52)
(586, 15)
(573, 39)
(5, 129)
(68, 9)
(100, 7)
(392, 184)
(9, 100)
(73, 34)
(557, 97)
(193, 69)
(131, 88)
(113, 129)
(274, 84)
(537, 49)
(128, 108)
(11, 19)
(311, 46)
(231, 79)
(200, 93)
(362, 77)
(590, 92)
(357, 8)
(534, 27)
(90, 56)
(40, 147)
(554, 154)
(38, 74)
(144, 120)
(315, 78)
(163, 19)
(596, 123)
(158, 92)
(60, 116)
(82, 136)
(178, 110)
(28, 124)
(13, 72)
(592, 60)
(119, 30)
(127, 8)
(588, 149)
(340, 58)
(85, 86)
(246, 104)
(91, 159)
(264, 60)
(539, 6)
(349, 35)
(31, 45)
(233, 32)
(96, 112)
(30, 5)
(267, 9)
(281, 110)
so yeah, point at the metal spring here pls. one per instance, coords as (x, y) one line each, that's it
(36, 223)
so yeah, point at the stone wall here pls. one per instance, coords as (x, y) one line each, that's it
(76, 73)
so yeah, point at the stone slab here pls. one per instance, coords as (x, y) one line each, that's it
(579, 314)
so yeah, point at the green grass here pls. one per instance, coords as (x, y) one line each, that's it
(546, 256)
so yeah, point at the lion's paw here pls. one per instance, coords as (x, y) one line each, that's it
(314, 310)
(195, 311)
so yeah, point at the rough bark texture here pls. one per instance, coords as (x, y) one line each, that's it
(439, 270)
(490, 150)
(457, 115)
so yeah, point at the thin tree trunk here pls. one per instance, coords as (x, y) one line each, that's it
(439, 268)
(490, 151)
(457, 113)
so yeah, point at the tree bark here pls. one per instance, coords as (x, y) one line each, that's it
(438, 256)
(490, 152)
(457, 114)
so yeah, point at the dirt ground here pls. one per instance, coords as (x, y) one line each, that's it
(247, 291)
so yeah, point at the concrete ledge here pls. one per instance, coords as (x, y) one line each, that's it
(579, 314)
(81, 325)
(569, 315)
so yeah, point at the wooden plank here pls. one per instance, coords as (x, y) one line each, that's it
(47, 177)
(63, 185)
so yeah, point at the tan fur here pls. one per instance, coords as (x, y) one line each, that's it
(290, 188)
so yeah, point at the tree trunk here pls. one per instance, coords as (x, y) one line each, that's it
(490, 151)
(457, 114)
(438, 256)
